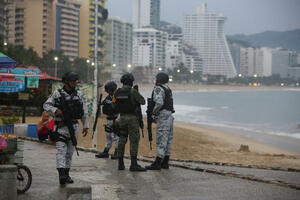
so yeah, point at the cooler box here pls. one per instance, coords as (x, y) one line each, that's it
(21, 130)
(32, 130)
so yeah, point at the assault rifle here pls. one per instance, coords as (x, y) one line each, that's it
(98, 113)
(139, 113)
(68, 121)
(150, 107)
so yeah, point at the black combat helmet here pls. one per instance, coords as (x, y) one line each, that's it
(127, 79)
(162, 78)
(70, 76)
(110, 86)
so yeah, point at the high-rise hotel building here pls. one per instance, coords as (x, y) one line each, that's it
(146, 13)
(66, 26)
(88, 27)
(149, 48)
(29, 24)
(118, 44)
(3, 20)
(205, 32)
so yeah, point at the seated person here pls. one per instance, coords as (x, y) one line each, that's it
(43, 125)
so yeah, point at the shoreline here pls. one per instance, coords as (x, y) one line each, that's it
(257, 140)
(195, 87)
(201, 143)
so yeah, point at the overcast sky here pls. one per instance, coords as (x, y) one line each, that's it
(243, 16)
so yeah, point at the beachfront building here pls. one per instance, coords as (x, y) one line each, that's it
(247, 61)
(66, 26)
(267, 61)
(205, 31)
(146, 13)
(191, 59)
(262, 62)
(118, 46)
(174, 50)
(235, 50)
(29, 24)
(149, 48)
(282, 60)
(173, 54)
(88, 28)
(3, 20)
(255, 62)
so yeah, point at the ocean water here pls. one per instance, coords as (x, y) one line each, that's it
(271, 112)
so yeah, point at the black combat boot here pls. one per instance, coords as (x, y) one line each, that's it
(165, 162)
(104, 154)
(156, 165)
(69, 179)
(121, 163)
(115, 156)
(134, 167)
(62, 176)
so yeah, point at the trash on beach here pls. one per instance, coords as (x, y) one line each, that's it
(244, 148)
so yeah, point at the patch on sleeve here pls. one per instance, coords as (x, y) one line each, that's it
(157, 90)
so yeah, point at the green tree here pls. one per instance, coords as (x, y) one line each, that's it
(48, 63)
(23, 56)
(81, 67)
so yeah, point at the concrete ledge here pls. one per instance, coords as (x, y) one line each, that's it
(8, 182)
(8, 168)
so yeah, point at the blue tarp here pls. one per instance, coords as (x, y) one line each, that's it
(6, 62)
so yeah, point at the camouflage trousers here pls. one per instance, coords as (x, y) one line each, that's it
(164, 133)
(65, 150)
(129, 126)
(110, 136)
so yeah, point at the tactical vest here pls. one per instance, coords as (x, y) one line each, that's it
(75, 106)
(107, 108)
(168, 101)
(123, 101)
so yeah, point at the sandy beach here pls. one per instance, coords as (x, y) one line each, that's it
(194, 142)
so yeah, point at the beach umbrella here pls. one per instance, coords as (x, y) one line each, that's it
(6, 62)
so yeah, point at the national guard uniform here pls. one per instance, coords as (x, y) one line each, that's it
(78, 110)
(162, 114)
(111, 135)
(126, 100)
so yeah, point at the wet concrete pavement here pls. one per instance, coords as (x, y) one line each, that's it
(176, 183)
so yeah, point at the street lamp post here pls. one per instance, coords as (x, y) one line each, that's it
(55, 72)
(129, 67)
(5, 46)
(88, 69)
(95, 99)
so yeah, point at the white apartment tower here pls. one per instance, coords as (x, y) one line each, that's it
(205, 31)
(149, 48)
(118, 44)
(174, 50)
(146, 13)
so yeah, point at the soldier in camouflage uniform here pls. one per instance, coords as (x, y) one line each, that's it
(53, 106)
(111, 116)
(126, 100)
(162, 115)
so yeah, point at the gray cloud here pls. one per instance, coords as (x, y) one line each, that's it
(243, 16)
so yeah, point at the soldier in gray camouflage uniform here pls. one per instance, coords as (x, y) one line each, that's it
(162, 115)
(111, 116)
(53, 105)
